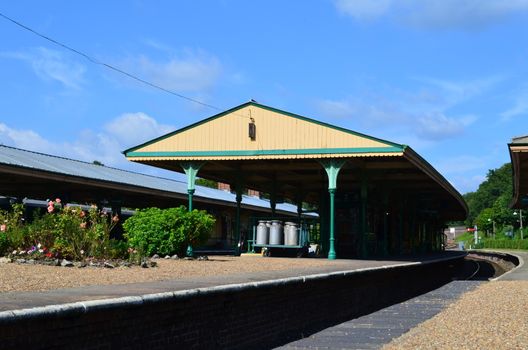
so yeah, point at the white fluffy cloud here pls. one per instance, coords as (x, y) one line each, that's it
(437, 126)
(434, 14)
(51, 65)
(190, 72)
(126, 130)
(26, 139)
(131, 129)
(364, 9)
(425, 115)
(395, 121)
(520, 106)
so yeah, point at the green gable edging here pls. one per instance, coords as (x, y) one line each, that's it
(251, 103)
(271, 152)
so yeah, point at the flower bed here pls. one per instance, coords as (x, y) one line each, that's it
(70, 233)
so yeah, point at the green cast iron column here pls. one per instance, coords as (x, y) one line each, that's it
(385, 241)
(412, 231)
(237, 221)
(363, 231)
(331, 252)
(273, 205)
(298, 199)
(332, 167)
(191, 170)
(400, 231)
(190, 193)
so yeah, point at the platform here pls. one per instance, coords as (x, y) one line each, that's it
(25, 300)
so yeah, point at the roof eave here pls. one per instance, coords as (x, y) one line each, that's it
(427, 168)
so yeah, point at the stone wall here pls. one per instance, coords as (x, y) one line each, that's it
(256, 315)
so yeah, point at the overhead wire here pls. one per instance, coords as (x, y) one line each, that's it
(109, 66)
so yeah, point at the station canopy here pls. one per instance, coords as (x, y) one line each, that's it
(519, 158)
(290, 156)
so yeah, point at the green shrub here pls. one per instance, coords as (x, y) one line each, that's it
(4, 244)
(505, 243)
(79, 235)
(116, 249)
(167, 231)
(154, 230)
(196, 227)
(41, 230)
(12, 230)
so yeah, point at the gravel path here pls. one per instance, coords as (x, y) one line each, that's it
(493, 316)
(24, 277)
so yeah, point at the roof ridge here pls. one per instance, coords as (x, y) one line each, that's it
(269, 108)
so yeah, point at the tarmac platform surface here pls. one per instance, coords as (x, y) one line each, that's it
(379, 328)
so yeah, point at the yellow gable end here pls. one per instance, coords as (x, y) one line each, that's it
(274, 131)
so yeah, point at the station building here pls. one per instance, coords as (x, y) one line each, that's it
(373, 197)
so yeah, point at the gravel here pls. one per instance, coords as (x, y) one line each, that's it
(493, 316)
(25, 277)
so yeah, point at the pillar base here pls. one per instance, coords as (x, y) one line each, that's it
(189, 252)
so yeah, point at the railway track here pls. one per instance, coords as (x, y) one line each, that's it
(479, 269)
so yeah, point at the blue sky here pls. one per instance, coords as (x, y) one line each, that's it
(447, 77)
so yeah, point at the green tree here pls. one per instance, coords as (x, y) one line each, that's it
(498, 184)
(207, 183)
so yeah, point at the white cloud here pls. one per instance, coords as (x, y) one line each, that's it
(363, 9)
(105, 146)
(191, 72)
(51, 65)
(437, 126)
(26, 139)
(398, 119)
(134, 128)
(520, 106)
(465, 184)
(435, 14)
(336, 109)
(454, 92)
(463, 164)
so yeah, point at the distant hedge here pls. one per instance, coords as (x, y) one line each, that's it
(505, 243)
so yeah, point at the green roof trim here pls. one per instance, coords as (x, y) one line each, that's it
(270, 152)
(252, 103)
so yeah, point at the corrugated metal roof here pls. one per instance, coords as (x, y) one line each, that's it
(520, 139)
(65, 166)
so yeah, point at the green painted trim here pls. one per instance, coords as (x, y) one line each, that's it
(191, 170)
(331, 251)
(247, 153)
(276, 110)
(332, 168)
(190, 195)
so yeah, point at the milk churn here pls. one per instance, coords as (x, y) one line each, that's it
(262, 233)
(276, 233)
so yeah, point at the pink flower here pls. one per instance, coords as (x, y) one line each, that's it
(50, 203)
(115, 218)
(50, 209)
(3, 227)
(82, 214)
(83, 225)
(57, 200)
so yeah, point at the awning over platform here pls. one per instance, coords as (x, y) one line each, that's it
(306, 161)
(519, 157)
(284, 157)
